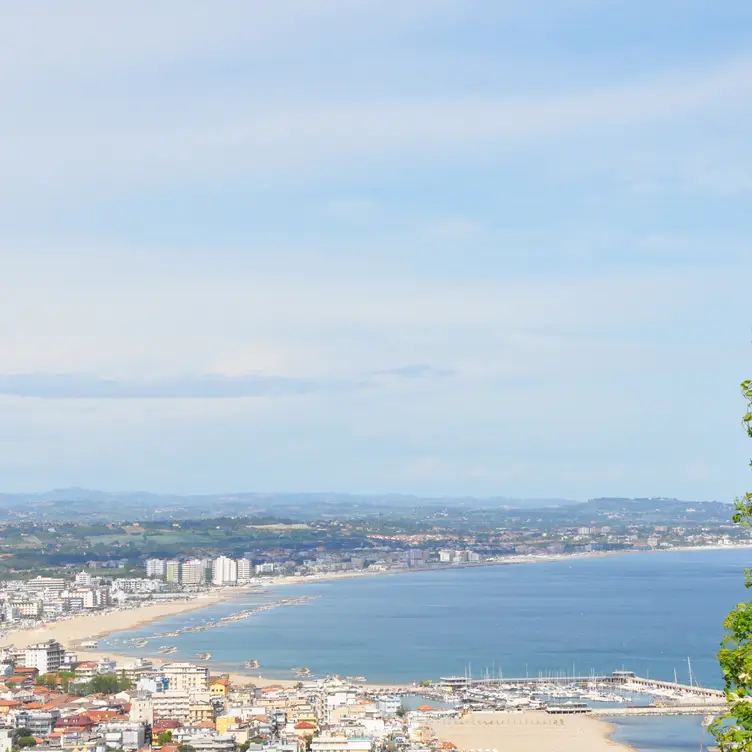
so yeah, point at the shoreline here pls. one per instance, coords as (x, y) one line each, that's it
(99, 625)
(505, 561)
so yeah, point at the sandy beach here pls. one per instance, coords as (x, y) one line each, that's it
(92, 626)
(530, 730)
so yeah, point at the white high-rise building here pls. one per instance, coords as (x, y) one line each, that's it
(245, 570)
(156, 567)
(83, 578)
(224, 571)
(194, 572)
(46, 657)
(186, 677)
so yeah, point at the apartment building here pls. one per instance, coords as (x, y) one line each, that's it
(46, 584)
(127, 736)
(224, 571)
(245, 570)
(172, 570)
(156, 567)
(171, 705)
(186, 676)
(194, 572)
(39, 722)
(84, 579)
(142, 708)
(46, 657)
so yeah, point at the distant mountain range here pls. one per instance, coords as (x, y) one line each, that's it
(82, 503)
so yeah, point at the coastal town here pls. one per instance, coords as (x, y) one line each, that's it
(63, 688)
(51, 699)
(178, 554)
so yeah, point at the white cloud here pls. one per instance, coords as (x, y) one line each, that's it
(570, 318)
(196, 135)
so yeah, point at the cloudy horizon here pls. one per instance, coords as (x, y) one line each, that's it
(440, 248)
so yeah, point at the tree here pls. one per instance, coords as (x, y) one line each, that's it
(108, 684)
(401, 711)
(164, 738)
(27, 741)
(23, 731)
(733, 731)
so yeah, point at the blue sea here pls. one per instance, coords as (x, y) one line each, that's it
(647, 613)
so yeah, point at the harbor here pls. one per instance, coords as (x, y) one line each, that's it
(620, 693)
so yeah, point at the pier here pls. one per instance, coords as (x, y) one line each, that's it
(711, 710)
(625, 679)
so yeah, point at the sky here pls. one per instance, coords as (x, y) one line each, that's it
(435, 247)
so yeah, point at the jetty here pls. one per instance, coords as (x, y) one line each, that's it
(710, 710)
(626, 680)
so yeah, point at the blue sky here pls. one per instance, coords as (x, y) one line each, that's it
(434, 247)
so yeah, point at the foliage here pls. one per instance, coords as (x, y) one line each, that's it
(164, 738)
(105, 684)
(733, 731)
(401, 711)
(23, 732)
(52, 680)
(186, 748)
(27, 741)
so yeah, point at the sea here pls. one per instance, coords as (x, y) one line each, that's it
(658, 614)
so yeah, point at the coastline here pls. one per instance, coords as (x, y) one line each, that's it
(502, 561)
(98, 625)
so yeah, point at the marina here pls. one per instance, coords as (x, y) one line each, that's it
(620, 693)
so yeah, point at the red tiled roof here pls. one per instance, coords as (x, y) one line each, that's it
(82, 720)
(165, 724)
(305, 725)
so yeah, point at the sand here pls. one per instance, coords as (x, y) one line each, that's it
(92, 626)
(527, 732)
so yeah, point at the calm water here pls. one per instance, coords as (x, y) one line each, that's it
(643, 612)
(677, 734)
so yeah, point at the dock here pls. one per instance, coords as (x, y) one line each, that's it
(616, 679)
(662, 710)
